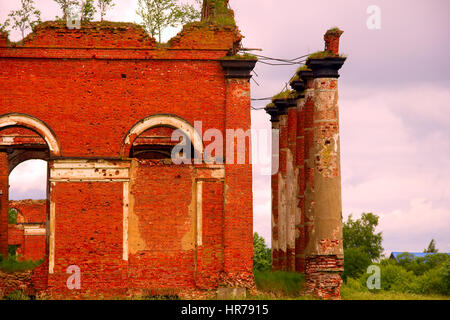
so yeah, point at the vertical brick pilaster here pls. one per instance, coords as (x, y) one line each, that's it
(292, 185)
(238, 197)
(282, 195)
(300, 165)
(308, 158)
(4, 191)
(274, 191)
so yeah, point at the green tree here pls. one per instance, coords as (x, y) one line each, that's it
(262, 255)
(66, 6)
(25, 18)
(431, 247)
(5, 26)
(360, 233)
(103, 6)
(158, 15)
(446, 276)
(88, 10)
(12, 216)
(356, 263)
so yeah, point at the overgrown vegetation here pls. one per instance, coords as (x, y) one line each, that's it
(322, 55)
(219, 13)
(17, 295)
(245, 56)
(23, 19)
(280, 284)
(262, 255)
(14, 263)
(158, 15)
(409, 275)
(88, 8)
(12, 216)
(286, 94)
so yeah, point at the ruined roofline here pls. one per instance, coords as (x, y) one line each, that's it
(125, 35)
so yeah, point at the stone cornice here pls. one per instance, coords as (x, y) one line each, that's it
(326, 67)
(238, 68)
(297, 85)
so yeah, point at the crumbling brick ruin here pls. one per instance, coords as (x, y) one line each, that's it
(100, 105)
(306, 191)
(28, 234)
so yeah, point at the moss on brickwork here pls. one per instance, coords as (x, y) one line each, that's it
(244, 56)
(334, 31)
(303, 68)
(322, 55)
(286, 94)
(217, 12)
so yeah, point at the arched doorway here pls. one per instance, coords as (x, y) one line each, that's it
(27, 212)
(24, 138)
(165, 220)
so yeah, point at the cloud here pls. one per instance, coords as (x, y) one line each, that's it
(28, 180)
(394, 93)
(395, 160)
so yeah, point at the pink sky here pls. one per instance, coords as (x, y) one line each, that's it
(394, 96)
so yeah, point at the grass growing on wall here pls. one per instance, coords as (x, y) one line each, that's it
(14, 264)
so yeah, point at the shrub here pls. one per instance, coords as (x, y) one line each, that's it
(446, 277)
(356, 262)
(432, 282)
(262, 256)
(12, 216)
(280, 283)
(17, 295)
(421, 265)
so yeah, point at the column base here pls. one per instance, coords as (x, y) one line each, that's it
(231, 293)
(324, 285)
(323, 276)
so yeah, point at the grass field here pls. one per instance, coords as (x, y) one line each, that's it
(288, 286)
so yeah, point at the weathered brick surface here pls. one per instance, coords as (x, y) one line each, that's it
(88, 234)
(310, 143)
(4, 187)
(90, 87)
(162, 252)
(31, 211)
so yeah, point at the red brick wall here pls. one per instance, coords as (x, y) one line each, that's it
(162, 203)
(33, 211)
(90, 87)
(4, 187)
(88, 233)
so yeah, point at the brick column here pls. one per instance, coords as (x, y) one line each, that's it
(298, 85)
(4, 191)
(291, 184)
(238, 195)
(324, 261)
(272, 110)
(282, 105)
(307, 201)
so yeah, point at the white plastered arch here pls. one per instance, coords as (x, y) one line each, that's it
(167, 121)
(27, 121)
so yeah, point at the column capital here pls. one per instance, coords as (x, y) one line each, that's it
(272, 110)
(305, 75)
(238, 68)
(297, 84)
(326, 67)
